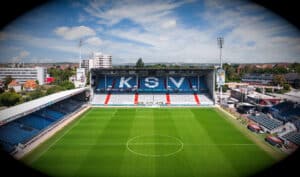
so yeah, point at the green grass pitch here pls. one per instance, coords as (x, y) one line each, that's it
(164, 142)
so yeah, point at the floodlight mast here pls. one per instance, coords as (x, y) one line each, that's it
(220, 44)
(80, 45)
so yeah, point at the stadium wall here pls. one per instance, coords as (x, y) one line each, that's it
(210, 82)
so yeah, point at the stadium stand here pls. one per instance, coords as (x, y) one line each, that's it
(24, 128)
(36, 122)
(205, 99)
(293, 137)
(286, 111)
(127, 99)
(148, 99)
(297, 123)
(146, 86)
(187, 99)
(265, 121)
(150, 84)
(14, 133)
(258, 78)
(98, 99)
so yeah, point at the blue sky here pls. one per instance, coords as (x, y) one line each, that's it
(157, 31)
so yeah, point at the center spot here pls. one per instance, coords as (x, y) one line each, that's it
(154, 145)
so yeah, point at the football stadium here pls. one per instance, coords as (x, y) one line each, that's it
(68, 110)
(133, 122)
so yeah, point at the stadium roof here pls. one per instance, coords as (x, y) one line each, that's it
(260, 96)
(265, 121)
(293, 137)
(20, 110)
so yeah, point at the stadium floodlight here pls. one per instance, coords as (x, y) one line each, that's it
(80, 45)
(220, 44)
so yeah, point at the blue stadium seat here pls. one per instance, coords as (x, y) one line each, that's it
(25, 128)
(35, 121)
(188, 85)
(15, 133)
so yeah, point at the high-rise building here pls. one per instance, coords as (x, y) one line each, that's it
(102, 60)
(98, 60)
(23, 74)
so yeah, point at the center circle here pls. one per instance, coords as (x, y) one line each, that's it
(154, 145)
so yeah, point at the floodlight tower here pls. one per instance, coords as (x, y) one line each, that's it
(80, 45)
(220, 44)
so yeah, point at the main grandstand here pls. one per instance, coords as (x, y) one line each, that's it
(161, 87)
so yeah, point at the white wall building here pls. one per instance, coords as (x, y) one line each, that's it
(79, 79)
(98, 60)
(102, 60)
(23, 74)
(85, 64)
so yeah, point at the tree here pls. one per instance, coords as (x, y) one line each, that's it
(258, 90)
(88, 78)
(36, 94)
(279, 80)
(247, 69)
(295, 67)
(12, 90)
(54, 89)
(7, 80)
(269, 90)
(61, 75)
(286, 87)
(1, 90)
(139, 63)
(231, 73)
(225, 88)
(9, 98)
(66, 85)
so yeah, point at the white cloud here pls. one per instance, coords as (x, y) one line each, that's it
(72, 33)
(44, 43)
(22, 54)
(169, 24)
(95, 41)
(138, 11)
(251, 34)
(268, 39)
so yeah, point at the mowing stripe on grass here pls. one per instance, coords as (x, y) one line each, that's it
(97, 145)
(143, 125)
(117, 129)
(57, 137)
(216, 126)
(164, 125)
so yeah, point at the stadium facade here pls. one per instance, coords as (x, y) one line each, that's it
(134, 86)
